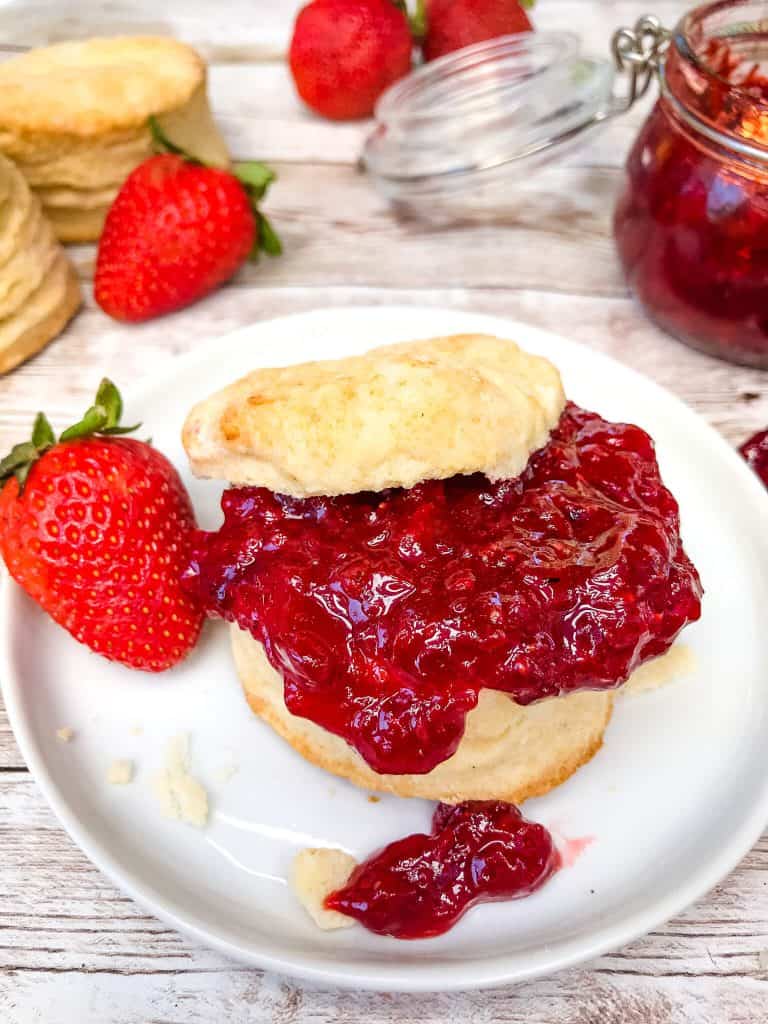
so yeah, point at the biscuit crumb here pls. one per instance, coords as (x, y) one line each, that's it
(180, 795)
(65, 734)
(120, 773)
(225, 774)
(374, 799)
(316, 873)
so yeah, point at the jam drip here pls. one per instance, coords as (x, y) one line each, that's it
(755, 451)
(420, 886)
(387, 613)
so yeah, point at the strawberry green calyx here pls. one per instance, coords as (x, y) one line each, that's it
(102, 418)
(255, 177)
(418, 20)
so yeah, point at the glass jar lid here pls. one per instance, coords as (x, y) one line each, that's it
(485, 111)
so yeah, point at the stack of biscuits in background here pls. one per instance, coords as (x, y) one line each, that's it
(39, 290)
(74, 122)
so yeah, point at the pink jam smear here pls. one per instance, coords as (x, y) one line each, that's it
(420, 886)
(387, 613)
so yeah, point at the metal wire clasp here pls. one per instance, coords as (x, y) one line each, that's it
(638, 52)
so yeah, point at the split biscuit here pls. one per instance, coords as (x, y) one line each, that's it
(423, 410)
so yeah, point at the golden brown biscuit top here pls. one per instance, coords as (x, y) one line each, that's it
(88, 87)
(390, 418)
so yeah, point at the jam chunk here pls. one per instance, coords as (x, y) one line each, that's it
(420, 886)
(755, 451)
(387, 613)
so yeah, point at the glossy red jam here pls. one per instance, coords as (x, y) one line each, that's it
(477, 852)
(691, 225)
(755, 451)
(387, 613)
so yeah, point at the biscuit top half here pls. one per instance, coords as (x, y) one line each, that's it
(89, 87)
(397, 415)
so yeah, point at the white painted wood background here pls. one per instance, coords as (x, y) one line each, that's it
(73, 950)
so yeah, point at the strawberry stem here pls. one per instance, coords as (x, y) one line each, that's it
(102, 418)
(418, 20)
(162, 144)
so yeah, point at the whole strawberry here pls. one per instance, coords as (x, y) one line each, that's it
(451, 24)
(96, 528)
(345, 53)
(177, 230)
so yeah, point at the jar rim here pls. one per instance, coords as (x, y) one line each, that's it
(684, 32)
(718, 104)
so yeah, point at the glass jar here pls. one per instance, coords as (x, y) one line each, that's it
(691, 225)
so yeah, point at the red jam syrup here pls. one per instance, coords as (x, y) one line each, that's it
(420, 886)
(387, 613)
(691, 226)
(755, 451)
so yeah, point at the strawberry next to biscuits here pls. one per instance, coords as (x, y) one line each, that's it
(96, 528)
(177, 230)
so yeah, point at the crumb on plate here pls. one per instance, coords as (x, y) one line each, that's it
(316, 873)
(120, 772)
(181, 796)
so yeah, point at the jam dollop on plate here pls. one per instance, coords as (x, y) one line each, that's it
(387, 613)
(755, 451)
(419, 887)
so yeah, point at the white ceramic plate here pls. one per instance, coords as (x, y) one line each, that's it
(675, 798)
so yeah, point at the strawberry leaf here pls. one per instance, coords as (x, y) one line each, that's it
(92, 422)
(268, 240)
(256, 177)
(42, 432)
(103, 418)
(17, 457)
(116, 431)
(108, 398)
(527, 5)
(21, 474)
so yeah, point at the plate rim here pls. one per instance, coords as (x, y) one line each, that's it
(424, 977)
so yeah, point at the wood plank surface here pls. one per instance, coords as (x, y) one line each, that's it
(72, 949)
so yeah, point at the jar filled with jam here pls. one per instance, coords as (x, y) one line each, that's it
(463, 133)
(691, 225)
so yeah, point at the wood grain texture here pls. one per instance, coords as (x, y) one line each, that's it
(71, 947)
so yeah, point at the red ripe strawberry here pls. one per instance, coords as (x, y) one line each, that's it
(344, 54)
(96, 528)
(176, 231)
(452, 24)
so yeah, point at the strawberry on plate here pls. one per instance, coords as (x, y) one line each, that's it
(449, 25)
(178, 229)
(345, 53)
(96, 528)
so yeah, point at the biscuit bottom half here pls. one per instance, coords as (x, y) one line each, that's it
(508, 752)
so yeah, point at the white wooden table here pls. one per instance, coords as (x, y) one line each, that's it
(73, 950)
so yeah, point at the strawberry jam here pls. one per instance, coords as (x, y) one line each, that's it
(691, 225)
(479, 851)
(387, 613)
(755, 451)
